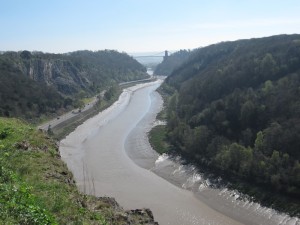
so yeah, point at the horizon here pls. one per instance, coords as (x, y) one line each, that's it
(141, 52)
(135, 26)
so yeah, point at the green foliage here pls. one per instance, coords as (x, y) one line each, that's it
(23, 97)
(35, 185)
(17, 202)
(111, 92)
(157, 139)
(234, 107)
(235, 158)
(259, 142)
(33, 84)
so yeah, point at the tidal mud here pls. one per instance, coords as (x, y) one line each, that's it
(110, 155)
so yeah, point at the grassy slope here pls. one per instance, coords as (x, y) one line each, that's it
(37, 188)
(157, 137)
(158, 134)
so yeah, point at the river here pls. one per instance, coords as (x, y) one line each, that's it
(110, 155)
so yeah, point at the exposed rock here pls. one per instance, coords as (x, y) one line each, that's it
(73, 72)
(45, 148)
(111, 202)
(142, 216)
(22, 145)
(118, 215)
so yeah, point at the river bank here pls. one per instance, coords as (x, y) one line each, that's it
(281, 208)
(62, 125)
(37, 187)
(110, 172)
(186, 176)
(98, 147)
(246, 190)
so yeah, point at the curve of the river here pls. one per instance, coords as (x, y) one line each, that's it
(109, 155)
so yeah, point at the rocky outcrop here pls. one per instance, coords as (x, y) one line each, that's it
(73, 72)
(60, 74)
(118, 215)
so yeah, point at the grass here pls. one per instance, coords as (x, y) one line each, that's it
(157, 139)
(87, 100)
(37, 188)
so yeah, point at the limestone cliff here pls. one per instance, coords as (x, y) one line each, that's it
(61, 74)
(33, 84)
(72, 72)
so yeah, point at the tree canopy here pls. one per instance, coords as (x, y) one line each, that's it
(34, 83)
(235, 107)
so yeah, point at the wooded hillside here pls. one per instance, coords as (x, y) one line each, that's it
(234, 107)
(34, 83)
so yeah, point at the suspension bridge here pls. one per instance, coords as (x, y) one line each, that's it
(163, 54)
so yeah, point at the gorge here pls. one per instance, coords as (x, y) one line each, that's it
(110, 155)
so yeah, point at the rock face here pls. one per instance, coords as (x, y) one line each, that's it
(72, 72)
(119, 215)
(61, 74)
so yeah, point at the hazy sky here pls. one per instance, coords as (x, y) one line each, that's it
(140, 25)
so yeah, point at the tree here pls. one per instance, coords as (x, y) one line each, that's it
(248, 114)
(111, 92)
(268, 66)
(259, 142)
(268, 87)
(25, 54)
(236, 110)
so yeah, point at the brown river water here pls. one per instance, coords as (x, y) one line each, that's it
(110, 155)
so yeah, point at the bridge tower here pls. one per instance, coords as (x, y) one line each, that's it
(166, 54)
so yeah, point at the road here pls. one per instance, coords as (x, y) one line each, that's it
(60, 119)
(69, 115)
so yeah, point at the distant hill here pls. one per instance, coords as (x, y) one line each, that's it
(234, 107)
(173, 61)
(33, 83)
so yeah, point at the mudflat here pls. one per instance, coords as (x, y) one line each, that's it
(110, 155)
(96, 155)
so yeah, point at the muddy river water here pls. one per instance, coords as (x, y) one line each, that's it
(110, 155)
